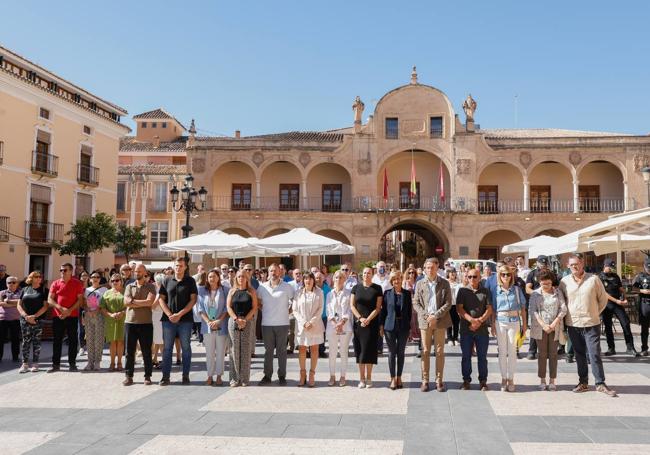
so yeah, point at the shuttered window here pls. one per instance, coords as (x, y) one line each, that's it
(84, 205)
(41, 193)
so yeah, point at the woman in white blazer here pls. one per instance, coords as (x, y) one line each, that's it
(339, 326)
(307, 309)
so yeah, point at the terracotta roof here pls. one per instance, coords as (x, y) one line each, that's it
(535, 133)
(300, 136)
(121, 110)
(157, 114)
(130, 144)
(151, 169)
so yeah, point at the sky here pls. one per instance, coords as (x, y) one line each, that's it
(274, 66)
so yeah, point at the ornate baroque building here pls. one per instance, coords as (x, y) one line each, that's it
(476, 189)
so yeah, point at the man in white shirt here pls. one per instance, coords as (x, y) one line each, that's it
(522, 267)
(381, 277)
(350, 281)
(275, 299)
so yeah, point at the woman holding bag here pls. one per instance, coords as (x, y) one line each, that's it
(214, 326)
(547, 310)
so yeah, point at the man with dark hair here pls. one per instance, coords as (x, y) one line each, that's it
(615, 307)
(642, 283)
(66, 296)
(178, 295)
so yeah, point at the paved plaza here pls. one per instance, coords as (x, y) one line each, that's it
(66, 413)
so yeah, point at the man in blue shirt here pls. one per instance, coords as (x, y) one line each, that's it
(326, 290)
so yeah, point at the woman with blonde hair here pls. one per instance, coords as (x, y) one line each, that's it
(395, 323)
(241, 304)
(339, 326)
(307, 309)
(509, 322)
(114, 311)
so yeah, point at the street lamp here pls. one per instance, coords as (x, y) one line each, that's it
(188, 202)
(646, 178)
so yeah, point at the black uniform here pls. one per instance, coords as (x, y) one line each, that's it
(613, 285)
(642, 281)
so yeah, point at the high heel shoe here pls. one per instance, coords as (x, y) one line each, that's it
(312, 380)
(303, 378)
(393, 384)
(398, 383)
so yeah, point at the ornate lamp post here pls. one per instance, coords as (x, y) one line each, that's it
(188, 202)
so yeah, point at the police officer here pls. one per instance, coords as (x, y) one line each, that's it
(615, 307)
(642, 283)
(532, 283)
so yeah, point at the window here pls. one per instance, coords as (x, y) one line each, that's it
(154, 125)
(332, 195)
(164, 124)
(488, 199)
(121, 196)
(435, 127)
(392, 128)
(241, 196)
(44, 113)
(84, 205)
(86, 171)
(159, 197)
(157, 233)
(144, 124)
(39, 210)
(405, 200)
(88, 130)
(289, 196)
(540, 198)
(589, 196)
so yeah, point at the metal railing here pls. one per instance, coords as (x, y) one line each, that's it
(4, 228)
(87, 174)
(45, 164)
(548, 205)
(39, 232)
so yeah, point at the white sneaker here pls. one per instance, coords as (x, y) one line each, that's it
(34, 369)
(362, 384)
(82, 352)
(368, 384)
(24, 368)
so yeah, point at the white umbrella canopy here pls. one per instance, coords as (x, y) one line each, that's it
(215, 241)
(523, 246)
(610, 244)
(301, 241)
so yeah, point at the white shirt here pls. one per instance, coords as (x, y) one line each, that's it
(338, 303)
(350, 283)
(432, 305)
(275, 303)
(384, 283)
(523, 273)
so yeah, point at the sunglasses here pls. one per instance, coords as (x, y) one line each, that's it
(471, 277)
(411, 273)
(345, 270)
(506, 274)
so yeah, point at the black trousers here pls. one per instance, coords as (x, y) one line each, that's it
(452, 331)
(134, 333)
(396, 341)
(609, 312)
(644, 321)
(13, 329)
(60, 327)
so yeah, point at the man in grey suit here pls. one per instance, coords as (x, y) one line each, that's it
(432, 302)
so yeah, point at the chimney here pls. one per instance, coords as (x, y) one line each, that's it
(237, 134)
(156, 142)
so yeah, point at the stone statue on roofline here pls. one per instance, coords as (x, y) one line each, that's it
(358, 107)
(469, 106)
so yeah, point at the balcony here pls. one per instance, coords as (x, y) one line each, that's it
(87, 175)
(4, 228)
(586, 205)
(154, 206)
(42, 233)
(45, 164)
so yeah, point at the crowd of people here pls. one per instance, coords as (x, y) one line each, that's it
(137, 311)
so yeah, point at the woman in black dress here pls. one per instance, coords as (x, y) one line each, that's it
(365, 303)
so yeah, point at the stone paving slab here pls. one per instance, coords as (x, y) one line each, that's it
(18, 442)
(525, 448)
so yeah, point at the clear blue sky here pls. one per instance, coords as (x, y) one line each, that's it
(271, 66)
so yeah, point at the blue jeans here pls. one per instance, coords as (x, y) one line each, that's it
(467, 340)
(184, 331)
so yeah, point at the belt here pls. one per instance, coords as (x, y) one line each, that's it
(509, 313)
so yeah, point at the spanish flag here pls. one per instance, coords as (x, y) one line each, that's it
(413, 189)
(385, 184)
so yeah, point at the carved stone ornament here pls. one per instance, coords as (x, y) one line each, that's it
(364, 167)
(258, 158)
(198, 165)
(463, 166)
(525, 159)
(575, 158)
(305, 159)
(641, 160)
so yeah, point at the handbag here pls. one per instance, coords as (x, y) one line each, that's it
(562, 338)
(520, 337)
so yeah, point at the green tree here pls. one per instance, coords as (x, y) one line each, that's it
(87, 235)
(129, 240)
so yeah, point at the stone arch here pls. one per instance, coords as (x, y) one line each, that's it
(551, 186)
(435, 151)
(287, 158)
(491, 242)
(602, 186)
(513, 163)
(281, 173)
(550, 232)
(336, 234)
(591, 159)
(329, 199)
(224, 195)
(500, 187)
(425, 235)
(274, 229)
(549, 159)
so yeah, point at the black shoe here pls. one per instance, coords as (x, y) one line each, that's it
(419, 355)
(323, 356)
(54, 369)
(265, 381)
(164, 382)
(73, 368)
(282, 381)
(178, 362)
(186, 380)
(632, 352)
(610, 351)
(531, 356)
(644, 353)
(561, 350)
(465, 385)
(569, 358)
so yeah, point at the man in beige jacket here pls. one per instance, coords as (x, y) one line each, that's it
(432, 302)
(586, 298)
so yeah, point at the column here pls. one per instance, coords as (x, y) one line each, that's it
(526, 194)
(304, 194)
(626, 202)
(134, 195)
(576, 196)
(258, 194)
